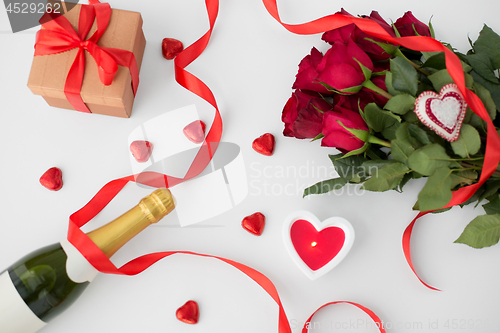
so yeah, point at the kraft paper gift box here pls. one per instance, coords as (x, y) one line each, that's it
(49, 72)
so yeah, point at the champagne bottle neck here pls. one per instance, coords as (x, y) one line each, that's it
(112, 236)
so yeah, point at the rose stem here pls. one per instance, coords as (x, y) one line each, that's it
(370, 85)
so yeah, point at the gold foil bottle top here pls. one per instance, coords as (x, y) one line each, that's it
(151, 209)
(158, 204)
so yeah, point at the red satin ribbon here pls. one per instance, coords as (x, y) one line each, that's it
(454, 67)
(59, 36)
(373, 316)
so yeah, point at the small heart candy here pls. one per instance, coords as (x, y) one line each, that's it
(52, 179)
(170, 47)
(141, 150)
(195, 131)
(264, 144)
(254, 223)
(188, 313)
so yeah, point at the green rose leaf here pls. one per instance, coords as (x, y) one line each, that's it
(437, 190)
(468, 143)
(411, 117)
(491, 187)
(428, 55)
(436, 61)
(390, 132)
(493, 207)
(469, 80)
(439, 211)
(348, 167)
(401, 149)
(493, 88)
(440, 79)
(387, 178)
(378, 119)
(400, 104)
(403, 133)
(488, 43)
(404, 181)
(487, 100)
(427, 159)
(474, 198)
(465, 177)
(482, 65)
(404, 76)
(476, 122)
(389, 86)
(481, 232)
(419, 134)
(371, 167)
(325, 186)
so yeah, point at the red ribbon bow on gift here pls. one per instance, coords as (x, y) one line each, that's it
(58, 36)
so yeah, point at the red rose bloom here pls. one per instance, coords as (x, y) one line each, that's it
(301, 116)
(375, 16)
(305, 78)
(363, 40)
(336, 135)
(340, 69)
(408, 24)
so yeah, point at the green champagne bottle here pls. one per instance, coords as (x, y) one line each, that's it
(44, 283)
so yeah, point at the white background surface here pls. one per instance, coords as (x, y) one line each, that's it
(250, 66)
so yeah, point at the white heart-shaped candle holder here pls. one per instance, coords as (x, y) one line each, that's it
(443, 113)
(317, 247)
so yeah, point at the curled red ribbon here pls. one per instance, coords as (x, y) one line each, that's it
(59, 36)
(373, 316)
(102, 263)
(454, 67)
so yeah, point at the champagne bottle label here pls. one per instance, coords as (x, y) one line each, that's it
(15, 315)
(79, 270)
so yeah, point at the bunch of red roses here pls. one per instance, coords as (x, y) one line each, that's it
(364, 97)
(333, 88)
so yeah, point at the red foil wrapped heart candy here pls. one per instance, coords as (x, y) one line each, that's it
(141, 150)
(254, 223)
(189, 313)
(52, 179)
(170, 47)
(195, 131)
(264, 144)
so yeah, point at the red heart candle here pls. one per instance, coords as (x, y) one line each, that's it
(317, 247)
